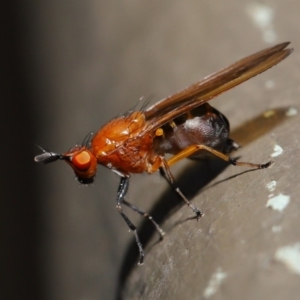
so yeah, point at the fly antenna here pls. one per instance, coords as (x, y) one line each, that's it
(47, 156)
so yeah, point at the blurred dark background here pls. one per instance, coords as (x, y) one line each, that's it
(21, 272)
(70, 66)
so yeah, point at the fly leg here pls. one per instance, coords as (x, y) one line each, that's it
(147, 216)
(122, 190)
(194, 148)
(166, 172)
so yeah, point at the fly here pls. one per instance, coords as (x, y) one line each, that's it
(183, 125)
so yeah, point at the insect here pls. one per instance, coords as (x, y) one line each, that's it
(183, 125)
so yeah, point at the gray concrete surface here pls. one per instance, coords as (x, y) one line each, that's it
(94, 60)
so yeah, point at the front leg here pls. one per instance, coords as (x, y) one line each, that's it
(122, 190)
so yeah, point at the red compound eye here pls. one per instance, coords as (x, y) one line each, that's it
(82, 161)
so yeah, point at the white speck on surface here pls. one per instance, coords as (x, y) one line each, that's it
(214, 283)
(290, 257)
(276, 229)
(278, 202)
(271, 185)
(277, 151)
(291, 112)
(262, 16)
(269, 84)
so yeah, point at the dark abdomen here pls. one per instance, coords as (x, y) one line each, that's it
(203, 125)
